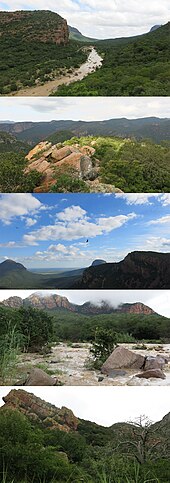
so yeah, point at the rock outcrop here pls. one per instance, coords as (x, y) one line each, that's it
(38, 410)
(52, 160)
(138, 270)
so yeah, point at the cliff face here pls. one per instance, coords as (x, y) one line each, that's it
(55, 302)
(38, 410)
(39, 25)
(139, 270)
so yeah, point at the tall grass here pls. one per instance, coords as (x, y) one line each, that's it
(10, 346)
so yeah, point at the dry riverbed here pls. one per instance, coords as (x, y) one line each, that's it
(70, 365)
(93, 61)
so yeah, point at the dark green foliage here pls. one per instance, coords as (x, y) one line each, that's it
(35, 326)
(134, 166)
(12, 177)
(131, 67)
(93, 454)
(103, 345)
(69, 183)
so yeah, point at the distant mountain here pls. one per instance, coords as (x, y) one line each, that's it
(55, 302)
(75, 34)
(155, 27)
(138, 270)
(33, 132)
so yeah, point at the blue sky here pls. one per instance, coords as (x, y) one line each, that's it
(82, 108)
(95, 18)
(50, 230)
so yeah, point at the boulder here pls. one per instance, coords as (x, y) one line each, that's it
(85, 165)
(123, 358)
(37, 377)
(72, 160)
(154, 363)
(58, 154)
(87, 150)
(157, 373)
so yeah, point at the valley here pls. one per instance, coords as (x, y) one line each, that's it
(94, 61)
(132, 66)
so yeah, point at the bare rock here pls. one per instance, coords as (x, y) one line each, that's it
(40, 147)
(122, 358)
(154, 363)
(58, 154)
(157, 373)
(38, 377)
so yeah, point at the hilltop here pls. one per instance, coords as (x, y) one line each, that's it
(53, 444)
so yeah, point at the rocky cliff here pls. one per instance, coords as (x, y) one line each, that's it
(53, 160)
(56, 302)
(139, 270)
(38, 25)
(38, 410)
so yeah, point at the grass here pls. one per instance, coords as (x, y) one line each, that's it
(10, 348)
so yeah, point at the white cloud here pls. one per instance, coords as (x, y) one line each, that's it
(95, 18)
(72, 213)
(75, 225)
(165, 199)
(136, 198)
(19, 205)
(30, 222)
(163, 220)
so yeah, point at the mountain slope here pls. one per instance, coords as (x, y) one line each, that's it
(138, 270)
(152, 128)
(9, 143)
(75, 34)
(55, 302)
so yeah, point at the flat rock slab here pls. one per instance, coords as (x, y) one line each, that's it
(151, 373)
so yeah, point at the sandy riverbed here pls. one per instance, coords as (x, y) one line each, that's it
(69, 364)
(93, 61)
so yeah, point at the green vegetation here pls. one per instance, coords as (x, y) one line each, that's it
(31, 453)
(9, 143)
(12, 177)
(29, 52)
(137, 66)
(132, 166)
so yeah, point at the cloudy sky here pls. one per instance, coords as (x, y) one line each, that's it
(51, 230)
(95, 18)
(86, 109)
(106, 405)
(158, 300)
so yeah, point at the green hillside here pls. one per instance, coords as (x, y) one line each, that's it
(137, 66)
(30, 51)
(9, 143)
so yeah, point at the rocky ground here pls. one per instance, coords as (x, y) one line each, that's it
(70, 365)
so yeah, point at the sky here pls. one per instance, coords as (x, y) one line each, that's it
(82, 108)
(158, 300)
(51, 230)
(98, 19)
(106, 405)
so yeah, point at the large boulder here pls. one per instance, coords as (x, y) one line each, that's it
(151, 362)
(123, 358)
(58, 154)
(37, 377)
(157, 373)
